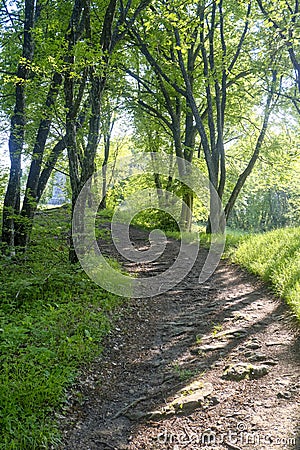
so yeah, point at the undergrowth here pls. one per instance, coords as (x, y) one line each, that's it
(52, 320)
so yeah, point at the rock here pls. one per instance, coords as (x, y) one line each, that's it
(257, 357)
(217, 364)
(253, 345)
(190, 398)
(214, 401)
(213, 347)
(271, 344)
(233, 333)
(284, 394)
(241, 371)
(258, 371)
(192, 387)
(157, 414)
(271, 362)
(180, 332)
(198, 391)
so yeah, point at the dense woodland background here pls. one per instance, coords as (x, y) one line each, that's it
(216, 83)
(84, 83)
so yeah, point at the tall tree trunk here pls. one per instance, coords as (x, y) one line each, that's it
(17, 132)
(189, 145)
(244, 175)
(107, 138)
(97, 87)
(31, 198)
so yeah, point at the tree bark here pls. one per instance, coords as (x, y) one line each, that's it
(31, 198)
(244, 175)
(17, 132)
(107, 138)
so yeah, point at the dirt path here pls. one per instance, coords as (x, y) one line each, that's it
(202, 366)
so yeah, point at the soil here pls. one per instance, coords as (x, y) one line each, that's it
(213, 365)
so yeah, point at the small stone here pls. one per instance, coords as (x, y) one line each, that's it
(191, 397)
(217, 364)
(258, 371)
(271, 344)
(192, 387)
(271, 362)
(180, 332)
(283, 382)
(188, 403)
(233, 333)
(285, 395)
(213, 347)
(240, 371)
(214, 401)
(253, 346)
(257, 357)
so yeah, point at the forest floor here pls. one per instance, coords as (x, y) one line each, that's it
(213, 365)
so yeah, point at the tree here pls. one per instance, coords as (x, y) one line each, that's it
(201, 58)
(45, 79)
(283, 17)
(17, 125)
(110, 30)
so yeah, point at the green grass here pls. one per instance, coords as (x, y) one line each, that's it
(275, 257)
(52, 321)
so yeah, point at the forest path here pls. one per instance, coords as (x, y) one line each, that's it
(162, 382)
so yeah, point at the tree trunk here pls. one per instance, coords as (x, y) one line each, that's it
(244, 175)
(187, 210)
(189, 146)
(16, 140)
(31, 199)
(97, 87)
(107, 137)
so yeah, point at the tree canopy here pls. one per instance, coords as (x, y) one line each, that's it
(214, 83)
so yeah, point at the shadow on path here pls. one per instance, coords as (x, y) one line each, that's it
(160, 345)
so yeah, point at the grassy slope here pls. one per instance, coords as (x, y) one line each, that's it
(52, 319)
(275, 257)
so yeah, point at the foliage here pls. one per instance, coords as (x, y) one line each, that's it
(152, 218)
(53, 318)
(270, 197)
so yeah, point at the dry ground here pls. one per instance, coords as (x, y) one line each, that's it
(138, 394)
